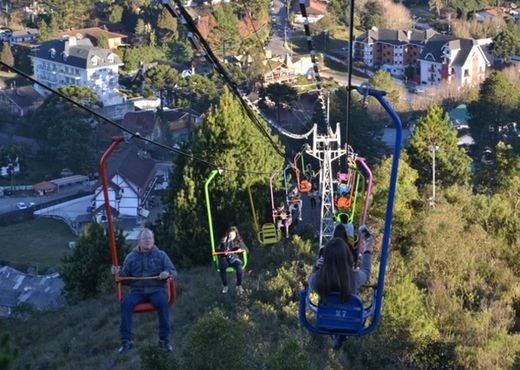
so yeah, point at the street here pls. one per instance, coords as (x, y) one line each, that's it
(280, 30)
(8, 203)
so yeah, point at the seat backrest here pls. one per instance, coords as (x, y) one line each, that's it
(336, 316)
(269, 234)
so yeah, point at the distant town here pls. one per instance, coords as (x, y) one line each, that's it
(132, 63)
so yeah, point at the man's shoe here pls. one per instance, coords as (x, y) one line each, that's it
(126, 345)
(240, 290)
(225, 290)
(165, 345)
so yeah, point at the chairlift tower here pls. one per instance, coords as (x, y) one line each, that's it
(326, 148)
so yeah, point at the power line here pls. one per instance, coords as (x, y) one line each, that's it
(124, 129)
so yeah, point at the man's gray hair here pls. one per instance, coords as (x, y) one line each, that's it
(145, 230)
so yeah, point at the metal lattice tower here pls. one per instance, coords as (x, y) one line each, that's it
(326, 148)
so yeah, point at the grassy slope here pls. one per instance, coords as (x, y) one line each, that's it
(85, 336)
(43, 241)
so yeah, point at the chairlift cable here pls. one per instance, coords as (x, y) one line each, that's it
(186, 19)
(124, 129)
(198, 41)
(350, 57)
(317, 76)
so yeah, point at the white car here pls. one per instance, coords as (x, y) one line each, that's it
(21, 205)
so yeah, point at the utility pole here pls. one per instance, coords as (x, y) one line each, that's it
(433, 149)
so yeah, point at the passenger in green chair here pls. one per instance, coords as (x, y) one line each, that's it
(231, 242)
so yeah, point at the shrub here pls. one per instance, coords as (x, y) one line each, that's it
(217, 342)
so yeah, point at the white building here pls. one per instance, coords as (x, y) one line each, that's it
(78, 62)
(131, 177)
(461, 61)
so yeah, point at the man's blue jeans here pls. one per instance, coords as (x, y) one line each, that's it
(160, 302)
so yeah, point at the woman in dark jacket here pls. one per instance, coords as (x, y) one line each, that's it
(231, 243)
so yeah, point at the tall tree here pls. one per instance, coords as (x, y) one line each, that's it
(164, 80)
(506, 44)
(227, 34)
(363, 132)
(452, 163)
(71, 13)
(65, 132)
(115, 13)
(167, 27)
(383, 80)
(372, 15)
(406, 194)
(494, 111)
(6, 55)
(229, 139)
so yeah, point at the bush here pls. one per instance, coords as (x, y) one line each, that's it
(86, 271)
(153, 358)
(217, 342)
(289, 356)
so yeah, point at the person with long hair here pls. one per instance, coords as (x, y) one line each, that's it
(334, 270)
(346, 233)
(231, 242)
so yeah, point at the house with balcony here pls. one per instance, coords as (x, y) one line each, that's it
(391, 50)
(460, 61)
(78, 62)
(20, 36)
(287, 69)
(131, 179)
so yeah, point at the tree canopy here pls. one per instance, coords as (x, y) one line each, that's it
(66, 132)
(229, 139)
(452, 163)
(495, 110)
(86, 272)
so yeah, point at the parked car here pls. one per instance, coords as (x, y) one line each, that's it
(21, 205)
(417, 89)
(30, 204)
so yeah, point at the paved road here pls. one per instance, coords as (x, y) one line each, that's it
(8, 203)
(279, 30)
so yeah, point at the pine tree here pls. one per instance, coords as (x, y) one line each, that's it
(495, 109)
(6, 56)
(167, 27)
(229, 139)
(452, 163)
(406, 193)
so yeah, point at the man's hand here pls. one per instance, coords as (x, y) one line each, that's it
(164, 275)
(115, 270)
